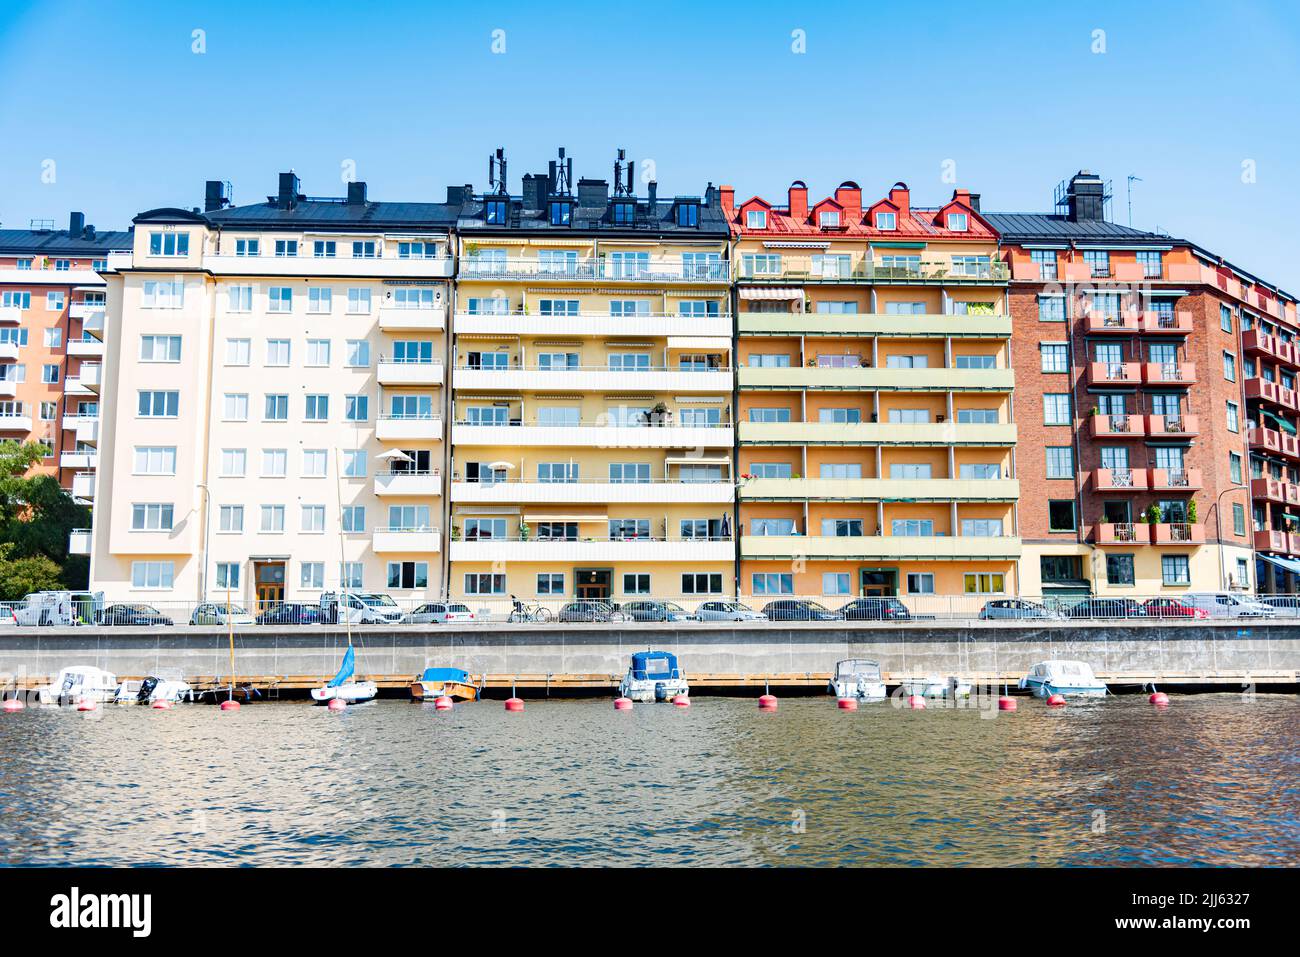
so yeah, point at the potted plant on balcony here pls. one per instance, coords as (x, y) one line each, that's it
(455, 533)
(1191, 512)
(1153, 514)
(524, 531)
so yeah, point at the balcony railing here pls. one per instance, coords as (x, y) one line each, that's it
(805, 269)
(653, 270)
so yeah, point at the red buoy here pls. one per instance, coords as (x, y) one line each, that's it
(161, 704)
(86, 704)
(337, 704)
(1006, 704)
(13, 704)
(443, 703)
(682, 701)
(847, 704)
(916, 702)
(230, 704)
(767, 702)
(1056, 700)
(514, 704)
(622, 704)
(1159, 698)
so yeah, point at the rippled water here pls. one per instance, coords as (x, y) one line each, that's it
(1212, 779)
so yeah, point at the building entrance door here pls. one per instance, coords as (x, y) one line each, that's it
(594, 583)
(879, 582)
(268, 580)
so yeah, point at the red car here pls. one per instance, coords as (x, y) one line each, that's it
(1171, 608)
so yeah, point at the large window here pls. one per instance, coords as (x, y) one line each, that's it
(1060, 462)
(155, 460)
(772, 583)
(1051, 309)
(152, 574)
(702, 583)
(169, 244)
(160, 348)
(1175, 570)
(1056, 408)
(1119, 570)
(485, 584)
(1060, 515)
(151, 517)
(983, 583)
(408, 574)
(158, 405)
(1055, 357)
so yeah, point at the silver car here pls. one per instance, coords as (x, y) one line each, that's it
(438, 613)
(1222, 604)
(727, 611)
(1017, 608)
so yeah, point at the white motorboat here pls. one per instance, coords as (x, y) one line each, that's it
(653, 676)
(169, 687)
(933, 686)
(858, 678)
(77, 683)
(1071, 678)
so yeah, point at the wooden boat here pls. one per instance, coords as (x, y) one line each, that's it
(435, 682)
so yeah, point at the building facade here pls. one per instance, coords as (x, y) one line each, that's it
(274, 422)
(876, 427)
(592, 391)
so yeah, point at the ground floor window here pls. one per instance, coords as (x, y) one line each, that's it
(1119, 570)
(636, 584)
(228, 575)
(920, 583)
(350, 574)
(1060, 515)
(550, 583)
(152, 574)
(770, 583)
(485, 584)
(1060, 568)
(835, 583)
(1175, 570)
(708, 583)
(408, 574)
(313, 575)
(983, 583)
(1243, 573)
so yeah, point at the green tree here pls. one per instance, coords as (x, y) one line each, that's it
(37, 516)
(22, 576)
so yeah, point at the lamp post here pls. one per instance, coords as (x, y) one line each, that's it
(1218, 530)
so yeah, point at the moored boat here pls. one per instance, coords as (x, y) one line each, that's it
(933, 686)
(1063, 677)
(434, 683)
(342, 687)
(858, 678)
(654, 676)
(171, 687)
(77, 683)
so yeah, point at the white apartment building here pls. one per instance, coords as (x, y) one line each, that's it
(274, 401)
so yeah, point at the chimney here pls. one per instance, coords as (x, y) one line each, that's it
(798, 201)
(727, 197)
(593, 193)
(901, 197)
(214, 196)
(849, 195)
(76, 224)
(1086, 198)
(459, 195)
(973, 200)
(534, 190)
(652, 196)
(357, 194)
(288, 194)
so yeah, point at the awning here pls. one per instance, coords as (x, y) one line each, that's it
(1290, 564)
(564, 517)
(699, 342)
(1282, 424)
(691, 460)
(750, 292)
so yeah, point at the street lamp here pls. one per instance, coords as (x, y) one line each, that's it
(1218, 529)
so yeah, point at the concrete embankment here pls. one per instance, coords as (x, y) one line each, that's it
(1173, 652)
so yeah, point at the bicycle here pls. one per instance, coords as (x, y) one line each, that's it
(535, 612)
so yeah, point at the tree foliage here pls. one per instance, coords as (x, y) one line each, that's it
(37, 516)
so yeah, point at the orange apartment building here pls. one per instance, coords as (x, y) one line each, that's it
(51, 328)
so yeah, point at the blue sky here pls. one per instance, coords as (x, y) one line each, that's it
(1012, 94)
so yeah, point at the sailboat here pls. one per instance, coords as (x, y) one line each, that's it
(342, 686)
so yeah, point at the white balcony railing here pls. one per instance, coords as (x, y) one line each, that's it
(604, 268)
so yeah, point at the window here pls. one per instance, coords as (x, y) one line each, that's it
(234, 407)
(155, 460)
(1060, 462)
(364, 249)
(975, 362)
(1056, 408)
(776, 470)
(354, 518)
(1233, 422)
(839, 416)
(835, 583)
(1238, 519)
(958, 222)
(312, 575)
(159, 348)
(1230, 367)
(274, 463)
(1060, 515)
(758, 360)
(561, 213)
(496, 212)
(979, 470)
(350, 574)
(1051, 309)
(828, 219)
(318, 408)
(320, 300)
(1119, 570)
(280, 299)
(841, 470)
(162, 295)
(413, 298)
(272, 518)
(756, 219)
(238, 352)
(152, 517)
(49, 411)
(247, 247)
(550, 583)
(277, 352)
(358, 301)
(240, 299)
(357, 354)
(636, 584)
(688, 214)
(1045, 260)
(487, 584)
(315, 463)
(1055, 357)
(318, 352)
(886, 220)
(709, 583)
(286, 247)
(228, 575)
(1152, 267)
(152, 574)
(277, 408)
(1234, 467)
(417, 250)
(900, 362)
(912, 527)
(981, 527)
(230, 518)
(1225, 318)
(169, 244)
(50, 373)
(1098, 261)
(408, 574)
(16, 300)
(158, 405)
(25, 264)
(313, 518)
(357, 408)
(234, 463)
(625, 473)
(977, 416)
(983, 583)
(1175, 570)
(772, 583)
(769, 415)
(920, 583)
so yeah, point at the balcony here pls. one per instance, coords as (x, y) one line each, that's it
(83, 486)
(1127, 374)
(1117, 426)
(409, 428)
(10, 315)
(72, 385)
(1272, 541)
(586, 492)
(404, 372)
(593, 379)
(1172, 426)
(9, 388)
(9, 351)
(1259, 343)
(871, 379)
(879, 490)
(93, 324)
(79, 541)
(378, 267)
(90, 376)
(873, 547)
(423, 484)
(85, 348)
(806, 270)
(603, 269)
(1261, 389)
(1097, 323)
(18, 419)
(406, 540)
(878, 433)
(594, 324)
(1177, 533)
(1119, 480)
(1273, 490)
(87, 310)
(1170, 324)
(1122, 533)
(1072, 272)
(591, 435)
(1169, 373)
(639, 550)
(872, 324)
(412, 320)
(1175, 480)
(78, 460)
(1270, 440)
(86, 427)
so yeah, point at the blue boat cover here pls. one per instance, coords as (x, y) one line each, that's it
(445, 674)
(345, 669)
(654, 666)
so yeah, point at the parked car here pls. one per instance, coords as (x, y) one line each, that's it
(383, 606)
(438, 613)
(58, 608)
(1015, 608)
(875, 609)
(1106, 608)
(133, 615)
(590, 609)
(215, 613)
(1287, 605)
(727, 611)
(1171, 608)
(652, 610)
(290, 613)
(798, 609)
(1222, 604)
(335, 607)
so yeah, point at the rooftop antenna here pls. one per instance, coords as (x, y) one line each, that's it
(1131, 180)
(562, 175)
(622, 188)
(497, 171)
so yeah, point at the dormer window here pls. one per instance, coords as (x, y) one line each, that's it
(957, 222)
(560, 214)
(624, 213)
(496, 212)
(830, 219)
(756, 219)
(688, 214)
(886, 220)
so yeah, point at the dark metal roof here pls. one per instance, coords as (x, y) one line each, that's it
(1052, 227)
(659, 220)
(332, 214)
(57, 242)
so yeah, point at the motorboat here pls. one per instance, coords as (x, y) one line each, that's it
(858, 678)
(1059, 676)
(934, 686)
(80, 682)
(434, 683)
(342, 687)
(170, 687)
(653, 676)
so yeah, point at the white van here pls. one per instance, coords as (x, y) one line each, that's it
(59, 608)
(1222, 604)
